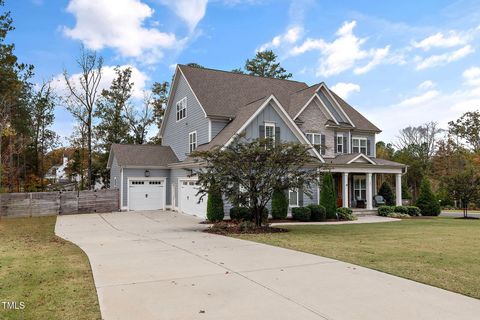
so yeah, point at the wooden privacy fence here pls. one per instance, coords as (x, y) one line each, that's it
(63, 202)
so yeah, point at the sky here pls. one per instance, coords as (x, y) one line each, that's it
(399, 63)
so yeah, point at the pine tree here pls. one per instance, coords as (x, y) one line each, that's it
(387, 193)
(327, 196)
(427, 202)
(265, 65)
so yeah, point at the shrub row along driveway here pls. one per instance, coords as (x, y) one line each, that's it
(159, 265)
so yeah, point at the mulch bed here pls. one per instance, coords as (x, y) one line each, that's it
(226, 228)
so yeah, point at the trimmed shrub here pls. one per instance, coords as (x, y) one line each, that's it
(246, 226)
(318, 212)
(279, 205)
(327, 196)
(413, 211)
(398, 215)
(240, 213)
(215, 210)
(387, 193)
(345, 214)
(401, 209)
(427, 202)
(384, 211)
(301, 213)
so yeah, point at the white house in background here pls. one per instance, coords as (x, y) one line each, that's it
(208, 108)
(57, 173)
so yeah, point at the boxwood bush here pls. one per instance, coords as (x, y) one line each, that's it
(301, 213)
(317, 212)
(384, 211)
(345, 214)
(240, 213)
(413, 211)
(401, 209)
(215, 211)
(279, 205)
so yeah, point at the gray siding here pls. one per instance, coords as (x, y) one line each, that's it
(132, 173)
(176, 133)
(217, 126)
(115, 172)
(174, 175)
(269, 114)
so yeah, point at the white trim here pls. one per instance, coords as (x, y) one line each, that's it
(190, 143)
(359, 177)
(350, 142)
(121, 187)
(270, 125)
(305, 106)
(323, 104)
(362, 169)
(178, 188)
(338, 104)
(336, 143)
(209, 130)
(285, 117)
(359, 144)
(298, 199)
(361, 155)
(184, 108)
(164, 179)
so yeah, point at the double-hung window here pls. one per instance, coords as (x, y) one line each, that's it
(293, 198)
(270, 133)
(316, 140)
(192, 140)
(182, 109)
(359, 145)
(340, 147)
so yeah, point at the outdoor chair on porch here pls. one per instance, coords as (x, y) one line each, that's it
(378, 201)
(360, 203)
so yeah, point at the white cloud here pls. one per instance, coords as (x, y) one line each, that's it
(345, 52)
(440, 40)
(119, 25)
(426, 85)
(190, 11)
(289, 37)
(472, 76)
(108, 74)
(420, 99)
(345, 89)
(445, 58)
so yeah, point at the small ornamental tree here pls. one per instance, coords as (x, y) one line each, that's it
(247, 171)
(215, 211)
(279, 204)
(327, 196)
(427, 202)
(464, 186)
(387, 193)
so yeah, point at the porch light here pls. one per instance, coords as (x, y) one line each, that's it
(147, 173)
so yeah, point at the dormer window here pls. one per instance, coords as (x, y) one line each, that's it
(182, 109)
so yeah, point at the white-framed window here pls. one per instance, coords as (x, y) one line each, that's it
(360, 187)
(270, 133)
(293, 198)
(340, 148)
(316, 140)
(182, 109)
(359, 145)
(114, 182)
(192, 141)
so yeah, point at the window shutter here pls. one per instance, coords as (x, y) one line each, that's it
(345, 146)
(277, 135)
(300, 197)
(335, 143)
(368, 147)
(322, 143)
(261, 132)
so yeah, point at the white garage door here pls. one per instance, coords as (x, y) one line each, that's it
(146, 194)
(189, 201)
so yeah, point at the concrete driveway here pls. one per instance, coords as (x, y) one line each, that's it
(159, 265)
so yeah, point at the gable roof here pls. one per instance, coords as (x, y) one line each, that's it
(360, 122)
(146, 155)
(352, 157)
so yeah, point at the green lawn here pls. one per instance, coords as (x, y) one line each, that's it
(51, 276)
(443, 252)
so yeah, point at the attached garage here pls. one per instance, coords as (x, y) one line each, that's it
(146, 194)
(189, 202)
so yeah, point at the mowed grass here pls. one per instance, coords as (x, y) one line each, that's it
(51, 276)
(442, 252)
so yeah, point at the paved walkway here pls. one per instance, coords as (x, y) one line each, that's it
(159, 265)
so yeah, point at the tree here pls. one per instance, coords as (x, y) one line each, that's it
(81, 102)
(387, 193)
(465, 187)
(195, 65)
(140, 121)
(279, 204)
(265, 65)
(247, 172)
(327, 196)
(215, 210)
(467, 127)
(159, 99)
(427, 202)
(44, 139)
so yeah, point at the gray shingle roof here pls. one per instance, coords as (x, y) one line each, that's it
(143, 155)
(345, 158)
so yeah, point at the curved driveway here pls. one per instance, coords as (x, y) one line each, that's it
(159, 265)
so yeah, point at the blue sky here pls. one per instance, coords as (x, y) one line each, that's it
(399, 63)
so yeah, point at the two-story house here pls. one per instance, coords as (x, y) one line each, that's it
(209, 108)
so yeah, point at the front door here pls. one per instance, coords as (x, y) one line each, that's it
(359, 190)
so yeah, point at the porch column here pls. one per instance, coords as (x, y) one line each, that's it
(398, 189)
(345, 189)
(369, 191)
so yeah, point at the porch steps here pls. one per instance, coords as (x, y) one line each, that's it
(364, 212)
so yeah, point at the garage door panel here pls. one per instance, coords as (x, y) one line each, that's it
(146, 194)
(190, 203)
